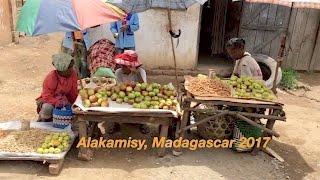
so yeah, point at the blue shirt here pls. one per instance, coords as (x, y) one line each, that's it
(68, 40)
(125, 39)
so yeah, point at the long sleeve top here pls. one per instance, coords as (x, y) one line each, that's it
(58, 89)
(126, 38)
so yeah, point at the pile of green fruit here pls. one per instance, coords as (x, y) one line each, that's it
(55, 143)
(246, 87)
(144, 95)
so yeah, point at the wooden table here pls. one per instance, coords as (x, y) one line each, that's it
(163, 119)
(273, 111)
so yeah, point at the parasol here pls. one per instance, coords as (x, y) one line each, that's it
(46, 16)
(136, 6)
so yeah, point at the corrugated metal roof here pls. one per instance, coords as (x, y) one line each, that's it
(143, 5)
(315, 4)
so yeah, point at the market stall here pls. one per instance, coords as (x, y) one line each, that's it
(132, 103)
(35, 141)
(244, 99)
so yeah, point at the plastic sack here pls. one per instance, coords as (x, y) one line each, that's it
(104, 72)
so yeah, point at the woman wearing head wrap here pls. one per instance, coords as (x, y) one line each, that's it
(245, 65)
(59, 87)
(130, 68)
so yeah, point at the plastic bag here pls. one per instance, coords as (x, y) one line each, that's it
(104, 72)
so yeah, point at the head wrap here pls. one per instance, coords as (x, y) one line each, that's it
(128, 58)
(61, 61)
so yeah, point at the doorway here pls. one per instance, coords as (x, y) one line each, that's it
(220, 21)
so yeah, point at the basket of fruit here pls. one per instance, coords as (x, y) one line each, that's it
(98, 81)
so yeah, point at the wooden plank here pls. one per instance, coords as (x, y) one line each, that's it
(163, 134)
(309, 40)
(263, 22)
(297, 36)
(270, 22)
(258, 33)
(315, 61)
(288, 58)
(263, 27)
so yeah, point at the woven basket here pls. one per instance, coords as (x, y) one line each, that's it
(62, 117)
(244, 129)
(219, 128)
(99, 81)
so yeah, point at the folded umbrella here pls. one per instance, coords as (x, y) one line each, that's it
(46, 16)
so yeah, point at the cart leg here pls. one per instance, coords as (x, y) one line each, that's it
(163, 133)
(84, 153)
(55, 168)
(180, 132)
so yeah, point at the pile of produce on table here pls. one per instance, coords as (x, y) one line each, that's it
(205, 86)
(139, 95)
(94, 97)
(247, 87)
(55, 143)
(27, 141)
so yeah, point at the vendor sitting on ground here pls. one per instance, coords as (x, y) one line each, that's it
(130, 68)
(245, 65)
(59, 87)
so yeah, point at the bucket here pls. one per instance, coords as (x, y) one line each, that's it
(62, 117)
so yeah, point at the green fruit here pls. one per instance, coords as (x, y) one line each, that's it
(162, 101)
(114, 97)
(147, 98)
(149, 88)
(147, 103)
(138, 85)
(156, 91)
(175, 102)
(172, 97)
(155, 98)
(45, 151)
(160, 95)
(156, 107)
(109, 93)
(169, 103)
(131, 96)
(151, 94)
(61, 147)
(126, 99)
(119, 100)
(144, 86)
(65, 144)
(57, 151)
(137, 94)
(40, 150)
(55, 137)
(98, 95)
(143, 106)
(233, 78)
(135, 105)
(122, 94)
(116, 89)
(51, 150)
(137, 100)
(66, 138)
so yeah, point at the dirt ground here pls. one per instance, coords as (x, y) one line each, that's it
(24, 66)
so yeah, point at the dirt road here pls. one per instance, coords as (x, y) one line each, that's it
(23, 68)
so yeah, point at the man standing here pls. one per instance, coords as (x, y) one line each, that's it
(123, 32)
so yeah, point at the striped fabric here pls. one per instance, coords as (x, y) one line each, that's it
(314, 4)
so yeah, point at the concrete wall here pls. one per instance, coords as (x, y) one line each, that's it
(153, 42)
(5, 26)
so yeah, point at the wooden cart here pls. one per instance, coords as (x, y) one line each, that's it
(272, 111)
(163, 119)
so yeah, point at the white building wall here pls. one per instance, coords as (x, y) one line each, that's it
(153, 43)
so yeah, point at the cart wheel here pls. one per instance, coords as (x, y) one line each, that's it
(55, 168)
